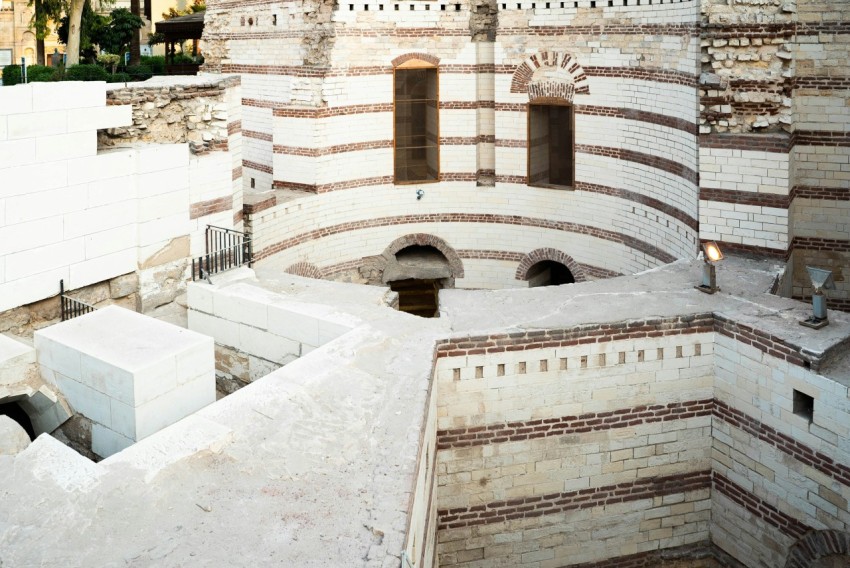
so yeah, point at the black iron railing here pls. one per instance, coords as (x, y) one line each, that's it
(225, 249)
(72, 307)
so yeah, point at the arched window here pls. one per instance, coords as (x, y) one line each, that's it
(551, 143)
(416, 121)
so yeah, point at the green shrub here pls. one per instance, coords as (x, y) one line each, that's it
(119, 78)
(42, 74)
(155, 62)
(139, 72)
(182, 59)
(11, 74)
(86, 73)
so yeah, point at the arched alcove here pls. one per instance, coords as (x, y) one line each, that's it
(820, 549)
(549, 273)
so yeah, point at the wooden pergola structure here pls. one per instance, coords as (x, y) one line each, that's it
(176, 31)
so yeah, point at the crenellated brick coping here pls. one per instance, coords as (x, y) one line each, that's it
(350, 30)
(536, 506)
(604, 234)
(640, 73)
(786, 444)
(579, 335)
(559, 426)
(629, 330)
(758, 507)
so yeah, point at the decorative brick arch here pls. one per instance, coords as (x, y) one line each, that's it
(817, 544)
(420, 56)
(426, 240)
(541, 254)
(525, 71)
(306, 269)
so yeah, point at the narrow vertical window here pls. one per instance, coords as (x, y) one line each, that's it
(551, 141)
(416, 123)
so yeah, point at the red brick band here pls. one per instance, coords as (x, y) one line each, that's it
(330, 150)
(815, 192)
(254, 208)
(204, 208)
(696, 553)
(753, 250)
(786, 444)
(780, 143)
(539, 505)
(559, 426)
(774, 200)
(655, 327)
(758, 507)
(565, 226)
(256, 166)
(635, 197)
(664, 164)
(640, 116)
(236, 173)
(334, 186)
(815, 243)
(266, 137)
(234, 127)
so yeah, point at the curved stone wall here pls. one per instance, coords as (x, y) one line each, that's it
(318, 125)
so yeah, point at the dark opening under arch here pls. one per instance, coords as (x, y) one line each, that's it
(549, 273)
(421, 271)
(14, 411)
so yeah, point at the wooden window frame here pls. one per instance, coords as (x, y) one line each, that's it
(550, 101)
(408, 65)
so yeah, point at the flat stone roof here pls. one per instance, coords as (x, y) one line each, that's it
(313, 465)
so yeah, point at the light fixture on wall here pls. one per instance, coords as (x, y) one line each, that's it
(420, 193)
(821, 280)
(711, 254)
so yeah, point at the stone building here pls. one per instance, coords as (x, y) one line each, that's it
(477, 149)
(17, 40)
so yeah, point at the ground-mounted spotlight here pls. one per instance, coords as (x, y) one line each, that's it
(711, 254)
(821, 280)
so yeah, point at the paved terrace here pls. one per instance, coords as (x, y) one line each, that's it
(313, 465)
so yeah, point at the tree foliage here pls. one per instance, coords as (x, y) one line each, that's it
(195, 7)
(111, 34)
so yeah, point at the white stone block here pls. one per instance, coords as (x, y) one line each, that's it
(14, 293)
(15, 152)
(66, 146)
(15, 100)
(159, 157)
(106, 442)
(67, 95)
(37, 124)
(102, 268)
(34, 177)
(105, 165)
(126, 375)
(30, 262)
(300, 327)
(90, 119)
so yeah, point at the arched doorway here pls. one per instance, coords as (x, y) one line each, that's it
(417, 275)
(549, 273)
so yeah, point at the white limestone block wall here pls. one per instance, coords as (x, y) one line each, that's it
(270, 330)
(794, 468)
(633, 412)
(744, 197)
(69, 212)
(130, 374)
